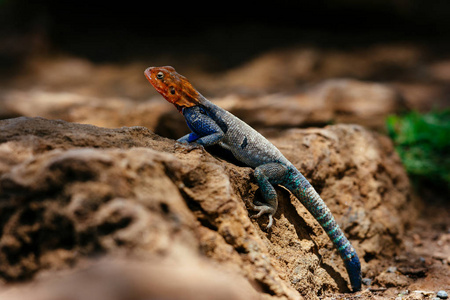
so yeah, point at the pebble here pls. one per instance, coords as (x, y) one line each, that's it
(391, 269)
(442, 294)
(367, 281)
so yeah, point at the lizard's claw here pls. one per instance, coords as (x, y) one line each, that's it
(270, 222)
(263, 209)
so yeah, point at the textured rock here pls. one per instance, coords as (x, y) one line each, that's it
(69, 191)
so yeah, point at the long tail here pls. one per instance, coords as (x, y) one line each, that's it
(308, 196)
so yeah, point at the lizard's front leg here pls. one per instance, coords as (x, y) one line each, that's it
(205, 131)
(193, 141)
(188, 142)
(267, 176)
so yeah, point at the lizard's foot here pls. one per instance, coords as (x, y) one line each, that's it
(263, 209)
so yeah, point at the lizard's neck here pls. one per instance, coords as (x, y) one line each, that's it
(202, 100)
(205, 102)
(199, 100)
(193, 98)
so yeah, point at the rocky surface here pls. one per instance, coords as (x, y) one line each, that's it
(72, 193)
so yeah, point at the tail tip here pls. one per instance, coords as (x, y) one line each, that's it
(354, 272)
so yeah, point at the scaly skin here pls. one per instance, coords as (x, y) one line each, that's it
(212, 125)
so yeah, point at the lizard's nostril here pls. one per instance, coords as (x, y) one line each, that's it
(148, 72)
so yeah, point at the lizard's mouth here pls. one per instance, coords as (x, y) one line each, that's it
(148, 74)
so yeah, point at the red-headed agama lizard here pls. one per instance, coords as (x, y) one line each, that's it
(211, 125)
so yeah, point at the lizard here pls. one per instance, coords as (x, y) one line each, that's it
(213, 125)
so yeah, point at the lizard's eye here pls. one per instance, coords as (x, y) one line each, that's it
(172, 90)
(160, 75)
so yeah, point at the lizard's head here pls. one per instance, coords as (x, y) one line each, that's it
(174, 87)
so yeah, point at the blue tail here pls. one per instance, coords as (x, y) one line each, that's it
(303, 190)
(353, 267)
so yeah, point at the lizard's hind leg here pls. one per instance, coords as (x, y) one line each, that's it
(268, 175)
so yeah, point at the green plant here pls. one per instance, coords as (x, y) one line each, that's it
(423, 143)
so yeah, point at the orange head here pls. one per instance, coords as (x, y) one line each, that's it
(174, 87)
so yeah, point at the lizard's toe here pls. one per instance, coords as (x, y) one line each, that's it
(270, 222)
(263, 209)
(259, 214)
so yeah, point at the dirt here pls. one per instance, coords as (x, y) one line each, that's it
(95, 190)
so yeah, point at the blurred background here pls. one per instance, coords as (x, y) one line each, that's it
(384, 64)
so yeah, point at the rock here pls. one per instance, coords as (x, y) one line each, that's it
(418, 94)
(416, 296)
(71, 191)
(442, 294)
(271, 71)
(105, 112)
(359, 102)
(347, 170)
(391, 269)
(288, 67)
(413, 272)
(387, 280)
(132, 280)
